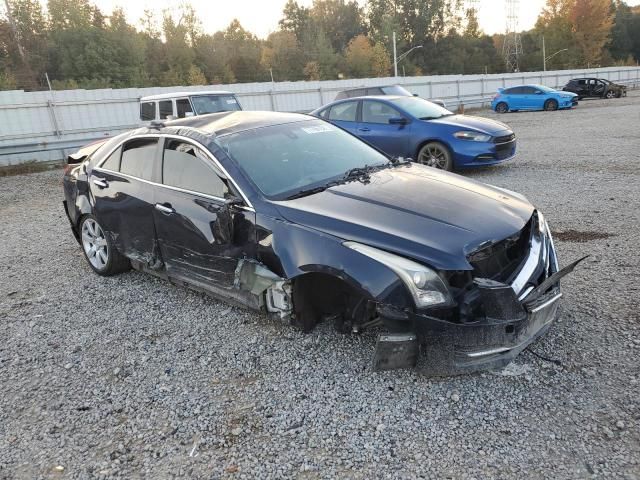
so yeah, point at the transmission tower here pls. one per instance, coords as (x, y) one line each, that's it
(512, 47)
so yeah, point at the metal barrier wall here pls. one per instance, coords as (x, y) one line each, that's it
(45, 126)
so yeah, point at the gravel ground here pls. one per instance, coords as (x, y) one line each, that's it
(131, 377)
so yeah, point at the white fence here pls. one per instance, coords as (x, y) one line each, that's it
(45, 126)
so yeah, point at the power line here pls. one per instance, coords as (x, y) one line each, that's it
(512, 46)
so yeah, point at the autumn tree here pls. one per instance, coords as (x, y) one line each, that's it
(362, 59)
(282, 54)
(591, 21)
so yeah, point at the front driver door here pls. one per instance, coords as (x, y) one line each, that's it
(201, 238)
(374, 128)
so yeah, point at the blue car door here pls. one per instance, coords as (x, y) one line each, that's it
(517, 100)
(345, 115)
(374, 128)
(534, 98)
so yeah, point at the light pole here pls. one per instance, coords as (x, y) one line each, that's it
(544, 55)
(396, 59)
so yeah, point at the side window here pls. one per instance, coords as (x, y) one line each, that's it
(377, 112)
(183, 106)
(324, 113)
(529, 90)
(345, 112)
(166, 109)
(137, 158)
(148, 111)
(582, 82)
(113, 162)
(186, 166)
(358, 92)
(375, 91)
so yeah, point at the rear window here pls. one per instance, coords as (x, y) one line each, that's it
(344, 112)
(148, 111)
(137, 158)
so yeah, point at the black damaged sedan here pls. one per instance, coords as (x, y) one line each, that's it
(294, 217)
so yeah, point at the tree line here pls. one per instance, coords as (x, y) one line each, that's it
(73, 44)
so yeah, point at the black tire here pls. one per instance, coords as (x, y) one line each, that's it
(98, 249)
(619, 95)
(551, 105)
(436, 155)
(610, 94)
(502, 107)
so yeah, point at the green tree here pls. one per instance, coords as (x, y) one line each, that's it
(362, 59)
(245, 60)
(340, 20)
(283, 55)
(295, 19)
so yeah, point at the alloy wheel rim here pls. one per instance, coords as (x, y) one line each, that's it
(95, 244)
(433, 157)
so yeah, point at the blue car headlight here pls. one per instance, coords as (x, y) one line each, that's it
(425, 285)
(473, 136)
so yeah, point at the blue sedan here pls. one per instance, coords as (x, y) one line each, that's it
(532, 97)
(412, 127)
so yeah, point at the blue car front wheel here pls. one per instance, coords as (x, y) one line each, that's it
(551, 105)
(435, 154)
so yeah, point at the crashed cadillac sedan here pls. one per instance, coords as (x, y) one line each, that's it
(292, 216)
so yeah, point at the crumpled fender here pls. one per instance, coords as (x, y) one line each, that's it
(292, 250)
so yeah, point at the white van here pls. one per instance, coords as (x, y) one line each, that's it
(169, 106)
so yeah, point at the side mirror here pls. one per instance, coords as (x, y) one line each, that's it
(398, 121)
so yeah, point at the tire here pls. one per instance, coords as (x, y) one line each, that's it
(436, 155)
(610, 94)
(551, 105)
(502, 107)
(619, 95)
(99, 250)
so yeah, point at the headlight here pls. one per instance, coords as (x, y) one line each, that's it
(473, 136)
(426, 287)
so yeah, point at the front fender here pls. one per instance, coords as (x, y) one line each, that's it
(292, 250)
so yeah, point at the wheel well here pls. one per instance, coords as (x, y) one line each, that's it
(317, 296)
(502, 102)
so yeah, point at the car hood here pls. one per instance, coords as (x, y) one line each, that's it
(434, 217)
(484, 125)
(566, 94)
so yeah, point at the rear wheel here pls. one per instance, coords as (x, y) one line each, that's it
(435, 154)
(98, 249)
(502, 107)
(551, 105)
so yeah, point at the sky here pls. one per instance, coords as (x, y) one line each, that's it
(261, 16)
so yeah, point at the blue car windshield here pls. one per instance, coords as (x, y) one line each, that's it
(420, 108)
(544, 88)
(286, 159)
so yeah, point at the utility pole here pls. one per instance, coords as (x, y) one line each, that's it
(395, 56)
(544, 56)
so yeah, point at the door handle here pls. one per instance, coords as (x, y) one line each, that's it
(365, 129)
(165, 208)
(100, 182)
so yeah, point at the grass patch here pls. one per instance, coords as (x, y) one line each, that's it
(29, 167)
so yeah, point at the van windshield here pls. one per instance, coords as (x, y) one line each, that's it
(203, 104)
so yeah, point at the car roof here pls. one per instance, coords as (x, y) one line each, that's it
(370, 86)
(164, 96)
(224, 123)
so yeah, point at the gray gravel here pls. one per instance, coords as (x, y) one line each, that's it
(131, 377)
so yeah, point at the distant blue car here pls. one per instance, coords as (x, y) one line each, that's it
(412, 127)
(532, 97)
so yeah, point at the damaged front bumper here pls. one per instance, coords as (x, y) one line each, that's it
(514, 315)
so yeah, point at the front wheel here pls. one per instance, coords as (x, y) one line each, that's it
(98, 249)
(551, 105)
(610, 94)
(435, 154)
(502, 107)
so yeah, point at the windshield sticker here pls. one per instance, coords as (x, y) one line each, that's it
(318, 129)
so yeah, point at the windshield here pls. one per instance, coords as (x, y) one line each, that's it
(544, 88)
(203, 104)
(396, 90)
(282, 160)
(421, 108)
